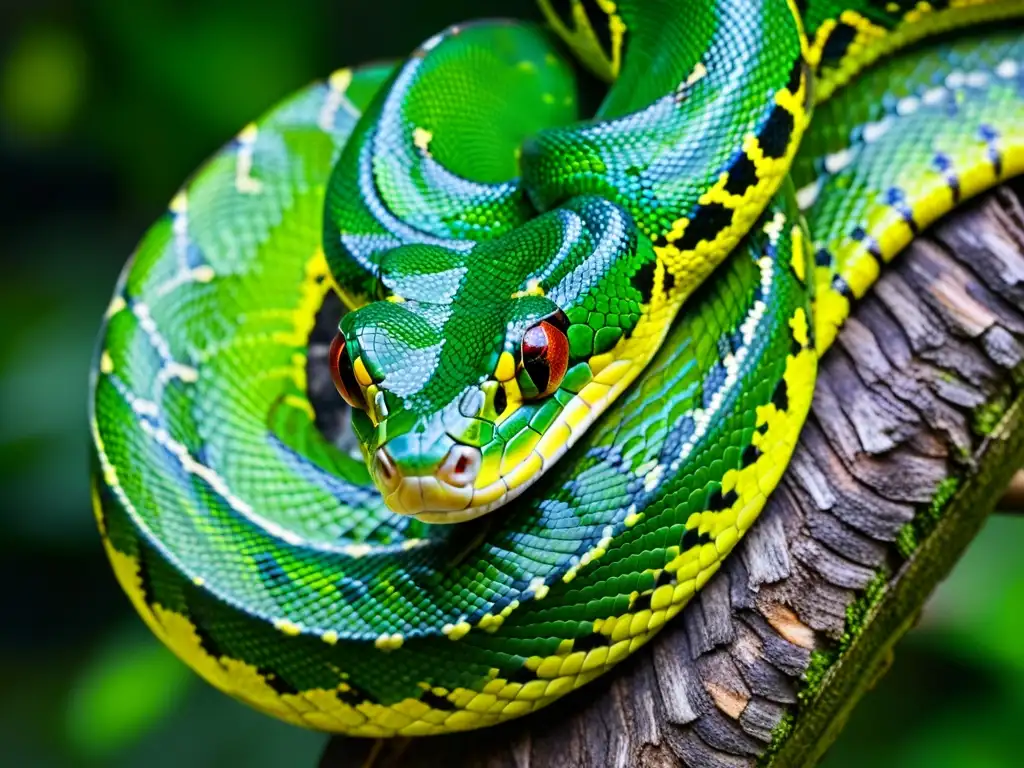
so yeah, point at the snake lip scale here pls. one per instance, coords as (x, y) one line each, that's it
(598, 334)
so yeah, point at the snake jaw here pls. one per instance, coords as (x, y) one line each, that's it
(437, 492)
(430, 499)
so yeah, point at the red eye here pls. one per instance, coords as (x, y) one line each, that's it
(545, 356)
(343, 375)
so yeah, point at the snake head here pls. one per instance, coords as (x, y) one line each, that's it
(434, 389)
(483, 366)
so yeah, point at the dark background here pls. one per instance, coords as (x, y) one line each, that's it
(105, 107)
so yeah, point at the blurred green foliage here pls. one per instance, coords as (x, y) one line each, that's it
(130, 667)
(105, 107)
(955, 693)
(43, 55)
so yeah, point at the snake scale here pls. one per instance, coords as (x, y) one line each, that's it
(601, 332)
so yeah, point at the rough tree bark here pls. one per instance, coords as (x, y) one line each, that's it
(915, 431)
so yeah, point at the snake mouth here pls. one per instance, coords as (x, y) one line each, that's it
(433, 501)
(428, 496)
(443, 494)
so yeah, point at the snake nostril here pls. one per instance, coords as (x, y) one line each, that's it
(460, 466)
(386, 469)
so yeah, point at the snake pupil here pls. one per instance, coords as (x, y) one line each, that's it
(545, 356)
(500, 401)
(343, 374)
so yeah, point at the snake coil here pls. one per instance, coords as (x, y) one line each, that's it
(599, 337)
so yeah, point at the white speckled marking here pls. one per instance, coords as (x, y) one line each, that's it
(244, 182)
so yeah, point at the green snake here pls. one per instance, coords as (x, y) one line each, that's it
(601, 332)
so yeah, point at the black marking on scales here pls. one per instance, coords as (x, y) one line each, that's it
(707, 222)
(353, 695)
(742, 175)
(837, 43)
(840, 286)
(896, 199)
(520, 675)
(643, 279)
(145, 582)
(990, 136)
(208, 643)
(434, 701)
(780, 397)
(694, 537)
(670, 280)
(871, 246)
(776, 132)
(751, 454)
(642, 602)
(278, 683)
(664, 577)
(796, 75)
(944, 165)
(718, 502)
(590, 642)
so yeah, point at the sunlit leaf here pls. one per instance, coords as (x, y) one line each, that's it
(976, 614)
(130, 686)
(42, 82)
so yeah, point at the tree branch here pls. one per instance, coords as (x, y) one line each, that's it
(1012, 502)
(915, 431)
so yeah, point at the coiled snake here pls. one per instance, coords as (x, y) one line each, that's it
(601, 333)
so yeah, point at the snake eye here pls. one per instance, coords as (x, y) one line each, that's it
(344, 377)
(545, 356)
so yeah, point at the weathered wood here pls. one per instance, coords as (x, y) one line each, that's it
(916, 399)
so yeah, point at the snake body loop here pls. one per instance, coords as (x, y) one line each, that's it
(602, 334)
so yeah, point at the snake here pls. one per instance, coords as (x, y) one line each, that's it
(579, 345)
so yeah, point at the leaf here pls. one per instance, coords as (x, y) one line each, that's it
(131, 685)
(975, 614)
(43, 83)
